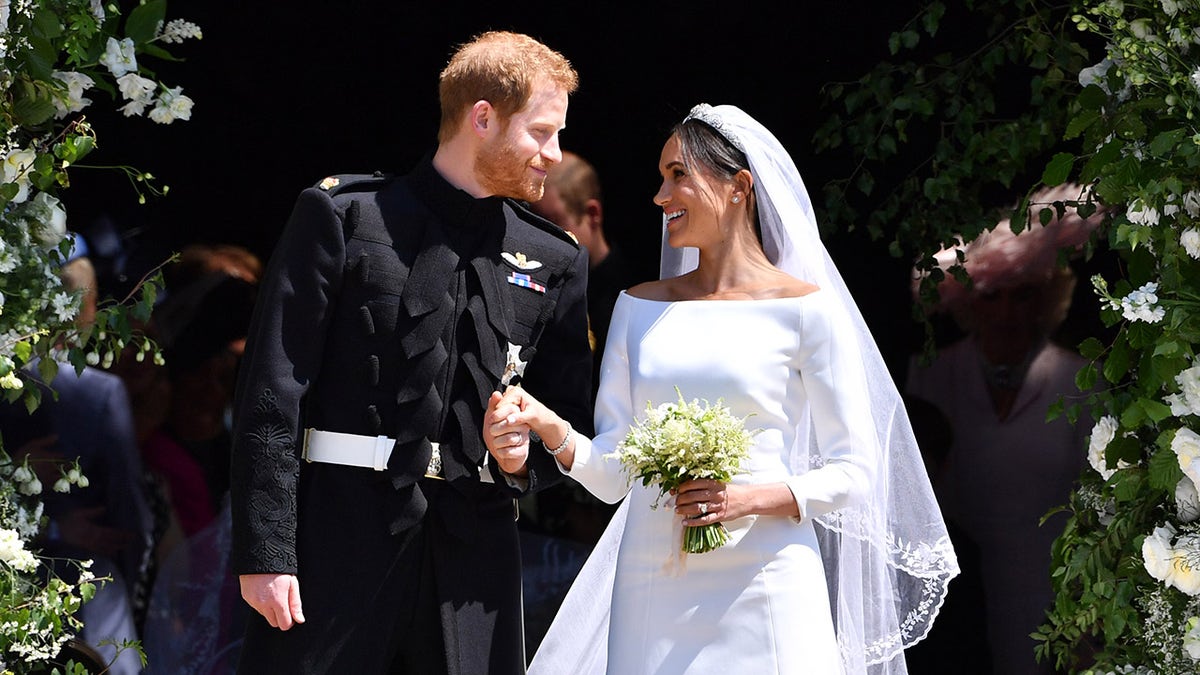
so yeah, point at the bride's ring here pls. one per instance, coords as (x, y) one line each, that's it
(703, 508)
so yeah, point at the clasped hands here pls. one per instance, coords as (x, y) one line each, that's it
(506, 425)
(511, 416)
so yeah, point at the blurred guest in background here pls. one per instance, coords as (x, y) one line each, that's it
(1007, 466)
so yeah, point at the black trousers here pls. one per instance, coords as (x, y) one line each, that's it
(427, 601)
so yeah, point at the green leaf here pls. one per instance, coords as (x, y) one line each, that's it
(32, 103)
(1085, 379)
(1132, 417)
(33, 398)
(932, 17)
(1117, 363)
(1155, 410)
(157, 52)
(1058, 169)
(1101, 161)
(1080, 122)
(1127, 484)
(1167, 348)
(1055, 410)
(1166, 143)
(40, 59)
(48, 369)
(1164, 471)
(23, 350)
(1091, 348)
(46, 23)
(1125, 448)
(143, 21)
(1091, 98)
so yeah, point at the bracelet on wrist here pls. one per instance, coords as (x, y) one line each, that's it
(561, 446)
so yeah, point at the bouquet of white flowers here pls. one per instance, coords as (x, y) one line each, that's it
(681, 441)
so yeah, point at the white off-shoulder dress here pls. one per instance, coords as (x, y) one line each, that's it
(760, 603)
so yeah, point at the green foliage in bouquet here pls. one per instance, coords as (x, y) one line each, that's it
(681, 441)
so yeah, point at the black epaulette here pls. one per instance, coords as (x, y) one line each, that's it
(522, 208)
(352, 182)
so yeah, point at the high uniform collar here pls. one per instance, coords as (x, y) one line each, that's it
(453, 206)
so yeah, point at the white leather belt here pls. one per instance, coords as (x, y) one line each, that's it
(368, 452)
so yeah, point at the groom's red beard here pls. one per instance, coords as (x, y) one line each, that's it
(503, 172)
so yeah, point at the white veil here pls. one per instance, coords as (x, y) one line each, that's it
(889, 560)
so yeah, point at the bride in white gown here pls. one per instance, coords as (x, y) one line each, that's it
(838, 557)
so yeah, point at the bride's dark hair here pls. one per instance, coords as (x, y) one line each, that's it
(705, 148)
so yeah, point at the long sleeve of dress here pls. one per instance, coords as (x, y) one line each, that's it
(283, 358)
(834, 381)
(605, 478)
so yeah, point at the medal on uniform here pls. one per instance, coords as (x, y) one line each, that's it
(514, 367)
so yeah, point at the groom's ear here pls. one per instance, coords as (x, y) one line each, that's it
(483, 118)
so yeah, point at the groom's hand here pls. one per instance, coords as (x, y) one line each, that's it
(275, 596)
(506, 437)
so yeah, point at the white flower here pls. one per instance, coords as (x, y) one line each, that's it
(51, 220)
(1187, 500)
(77, 84)
(1102, 434)
(1191, 203)
(1196, 78)
(119, 57)
(30, 487)
(13, 553)
(133, 108)
(1141, 28)
(1180, 39)
(22, 474)
(134, 87)
(11, 381)
(15, 169)
(1190, 240)
(1185, 573)
(1139, 305)
(172, 105)
(98, 9)
(1186, 446)
(82, 481)
(1140, 213)
(65, 306)
(1096, 75)
(1171, 7)
(1115, 6)
(62, 485)
(1187, 402)
(1191, 639)
(1157, 553)
(178, 30)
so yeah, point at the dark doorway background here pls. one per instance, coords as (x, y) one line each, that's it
(287, 93)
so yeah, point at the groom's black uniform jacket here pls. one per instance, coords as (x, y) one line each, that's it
(387, 309)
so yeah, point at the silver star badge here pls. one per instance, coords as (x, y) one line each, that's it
(520, 261)
(514, 367)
